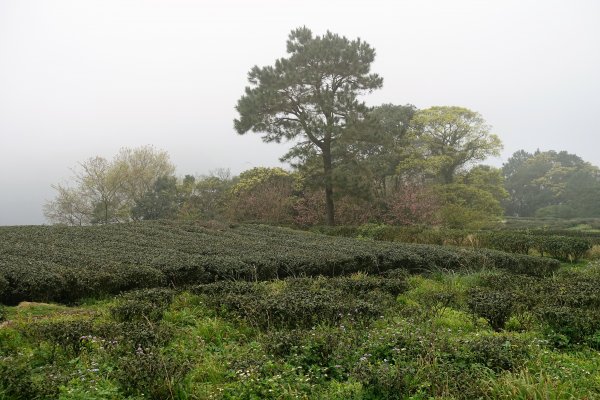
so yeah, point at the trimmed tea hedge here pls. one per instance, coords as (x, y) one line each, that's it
(569, 247)
(42, 263)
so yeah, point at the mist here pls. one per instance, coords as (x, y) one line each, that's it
(85, 78)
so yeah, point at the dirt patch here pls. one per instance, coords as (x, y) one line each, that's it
(25, 304)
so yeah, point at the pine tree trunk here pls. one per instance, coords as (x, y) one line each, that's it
(327, 169)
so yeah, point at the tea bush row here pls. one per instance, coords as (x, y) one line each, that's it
(568, 304)
(567, 247)
(67, 263)
(304, 303)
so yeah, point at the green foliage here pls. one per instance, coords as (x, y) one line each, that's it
(254, 177)
(69, 334)
(566, 247)
(214, 345)
(205, 197)
(449, 138)
(68, 263)
(105, 191)
(301, 303)
(494, 305)
(467, 206)
(551, 184)
(563, 247)
(21, 378)
(511, 242)
(148, 304)
(151, 371)
(4, 286)
(313, 94)
(370, 231)
(263, 195)
(570, 306)
(159, 203)
(499, 352)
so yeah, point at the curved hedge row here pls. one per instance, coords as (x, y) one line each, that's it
(67, 263)
(562, 247)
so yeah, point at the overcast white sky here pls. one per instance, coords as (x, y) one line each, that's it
(80, 78)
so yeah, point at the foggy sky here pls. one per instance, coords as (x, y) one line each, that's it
(82, 78)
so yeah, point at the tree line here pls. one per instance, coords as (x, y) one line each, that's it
(140, 184)
(350, 163)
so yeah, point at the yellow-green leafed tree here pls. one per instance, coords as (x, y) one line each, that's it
(447, 140)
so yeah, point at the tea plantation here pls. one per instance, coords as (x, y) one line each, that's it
(168, 310)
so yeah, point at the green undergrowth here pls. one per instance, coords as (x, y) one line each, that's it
(488, 334)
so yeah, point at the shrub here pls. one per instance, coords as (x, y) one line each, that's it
(381, 380)
(32, 280)
(374, 231)
(363, 286)
(512, 242)
(323, 347)
(526, 291)
(150, 371)
(499, 352)
(147, 304)
(495, 306)
(21, 378)
(592, 254)
(128, 336)
(570, 306)
(4, 287)
(563, 247)
(68, 334)
(298, 305)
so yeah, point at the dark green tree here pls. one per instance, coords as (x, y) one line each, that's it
(205, 197)
(515, 162)
(551, 184)
(312, 97)
(372, 154)
(159, 203)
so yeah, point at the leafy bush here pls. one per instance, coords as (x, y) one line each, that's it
(494, 305)
(4, 287)
(31, 280)
(22, 379)
(324, 347)
(563, 247)
(68, 334)
(381, 380)
(147, 304)
(150, 371)
(591, 236)
(570, 306)
(566, 245)
(67, 263)
(499, 352)
(298, 304)
(512, 242)
(574, 324)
